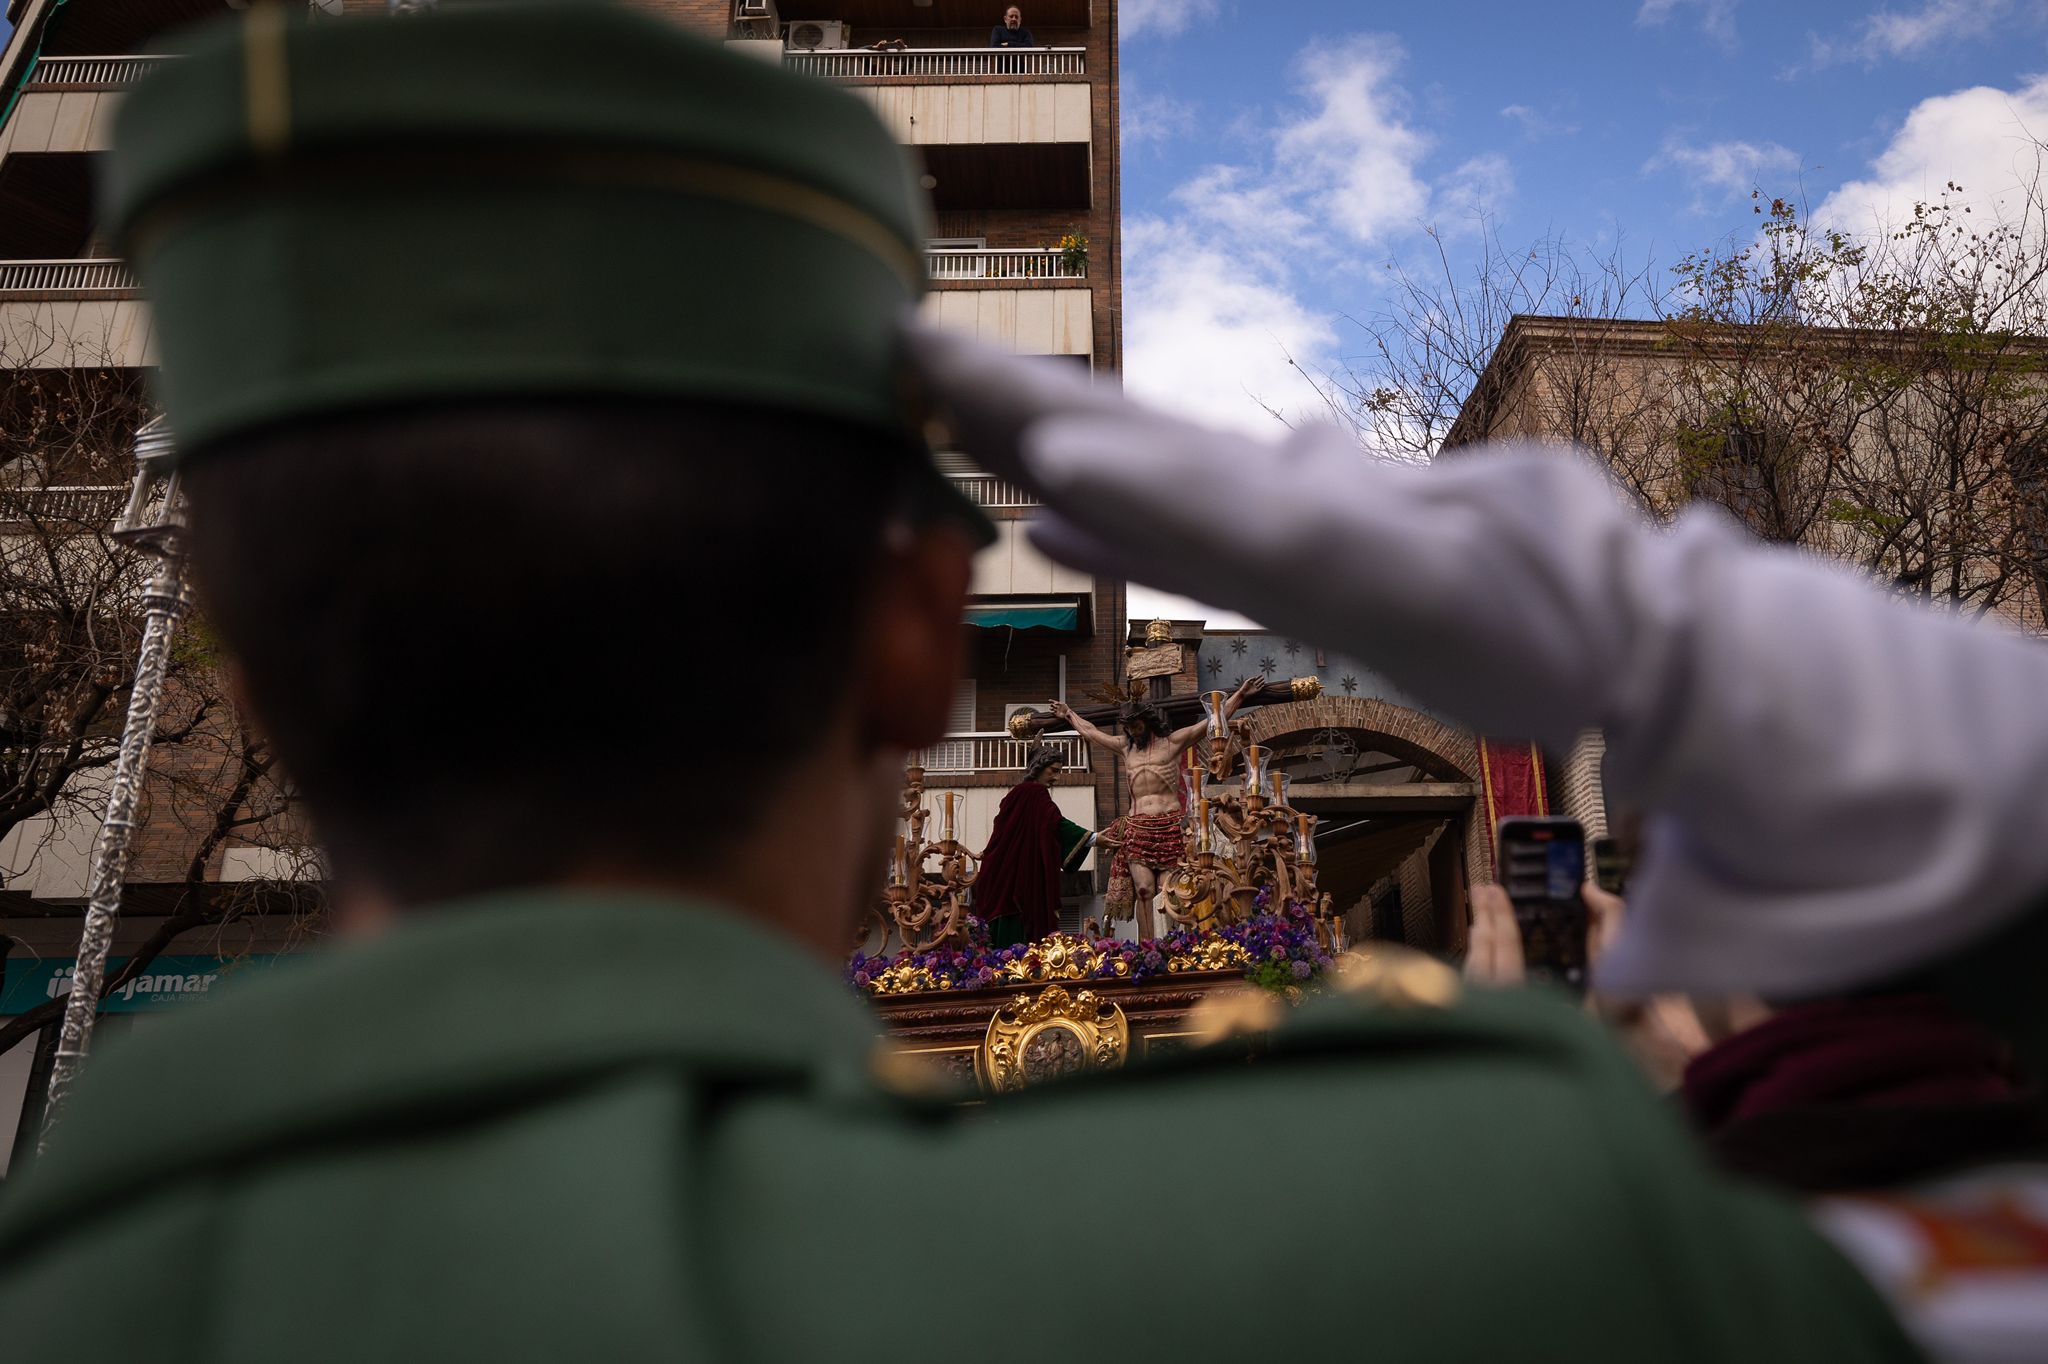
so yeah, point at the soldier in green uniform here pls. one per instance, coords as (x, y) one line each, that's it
(519, 356)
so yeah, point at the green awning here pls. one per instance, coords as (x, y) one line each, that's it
(1025, 617)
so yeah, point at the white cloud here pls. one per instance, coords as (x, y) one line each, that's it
(1980, 138)
(1168, 17)
(1149, 119)
(1891, 33)
(1355, 140)
(1224, 319)
(1735, 168)
(1209, 329)
(1476, 190)
(1535, 124)
(1717, 17)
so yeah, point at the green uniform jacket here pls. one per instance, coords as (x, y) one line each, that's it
(597, 1128)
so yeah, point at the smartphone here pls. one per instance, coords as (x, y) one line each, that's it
(1610, 866)
(1542, 862)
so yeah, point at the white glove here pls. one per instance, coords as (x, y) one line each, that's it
(1842, 787)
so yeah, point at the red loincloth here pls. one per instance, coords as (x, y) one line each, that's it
(1155, 841)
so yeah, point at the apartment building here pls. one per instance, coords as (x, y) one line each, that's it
(1020, 151)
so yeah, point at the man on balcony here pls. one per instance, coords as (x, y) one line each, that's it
(1011, 32)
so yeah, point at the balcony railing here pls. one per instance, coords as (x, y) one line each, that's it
(87, 504)
(1037, 262)
(857, 63)
(102, 277)
(100, 73)
(986, 490)
(996, 752)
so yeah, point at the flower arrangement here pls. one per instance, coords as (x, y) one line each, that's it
(1276, 950)
(1074, 253)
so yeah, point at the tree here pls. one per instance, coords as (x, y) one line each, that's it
(68, 645)
(1882, 398)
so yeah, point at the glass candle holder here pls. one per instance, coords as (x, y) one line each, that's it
(1305, 838)
(1255, 771)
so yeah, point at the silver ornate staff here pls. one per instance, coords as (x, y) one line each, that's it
(150, 523)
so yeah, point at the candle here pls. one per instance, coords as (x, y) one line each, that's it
(1254, 771)
(1202, 825)
(902, 869)
(1212, 706)
(1305, 838)
(947, 801)
(1279, 783)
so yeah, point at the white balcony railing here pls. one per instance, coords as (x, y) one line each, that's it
(65, 277)
(86, 504)
(1038, 262)
(996, 752)
(103, 72)
(986, 490)
(855, 63)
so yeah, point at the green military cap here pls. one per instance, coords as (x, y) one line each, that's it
(513, 200)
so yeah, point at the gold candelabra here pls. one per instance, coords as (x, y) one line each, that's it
(924, 903)
(1243, 837)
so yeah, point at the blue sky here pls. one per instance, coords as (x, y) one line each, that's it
(1276, 157)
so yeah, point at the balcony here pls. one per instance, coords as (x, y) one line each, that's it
(981, 263)
(986, 490)
(968, 16)
(91, 73)
(63, 314)
(71, 279)
(1027, 321)
(939, 63)
(964, 754)
(85, 505)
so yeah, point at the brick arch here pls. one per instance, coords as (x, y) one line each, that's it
(1445, 753)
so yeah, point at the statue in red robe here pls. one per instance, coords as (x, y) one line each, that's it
(1017, 893)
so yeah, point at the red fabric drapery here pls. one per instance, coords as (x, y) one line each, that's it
(1020, 870)
(1511, 774)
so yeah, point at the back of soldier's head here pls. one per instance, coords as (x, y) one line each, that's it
(542, 421)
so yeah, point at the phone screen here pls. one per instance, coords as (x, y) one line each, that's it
(1542, 863)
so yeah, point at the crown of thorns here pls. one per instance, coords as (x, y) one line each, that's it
(1153, 717)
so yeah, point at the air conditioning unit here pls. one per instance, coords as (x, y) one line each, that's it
(751, 10)
(815, 36)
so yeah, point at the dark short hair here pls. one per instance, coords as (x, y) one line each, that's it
(494, 644)
(1041, 760)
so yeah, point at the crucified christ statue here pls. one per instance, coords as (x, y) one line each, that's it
(1148, 839)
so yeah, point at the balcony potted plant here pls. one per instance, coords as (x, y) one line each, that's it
(1074, 254)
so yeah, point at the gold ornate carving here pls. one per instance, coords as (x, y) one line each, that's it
(1022, 726)
(1034, 1039)
(1159, 632)
(1306, 688)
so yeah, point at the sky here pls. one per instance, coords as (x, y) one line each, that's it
(1278, 158)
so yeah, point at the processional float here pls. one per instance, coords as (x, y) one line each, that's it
(1247, 848)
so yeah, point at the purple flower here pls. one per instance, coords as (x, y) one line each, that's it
(1302, 970)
